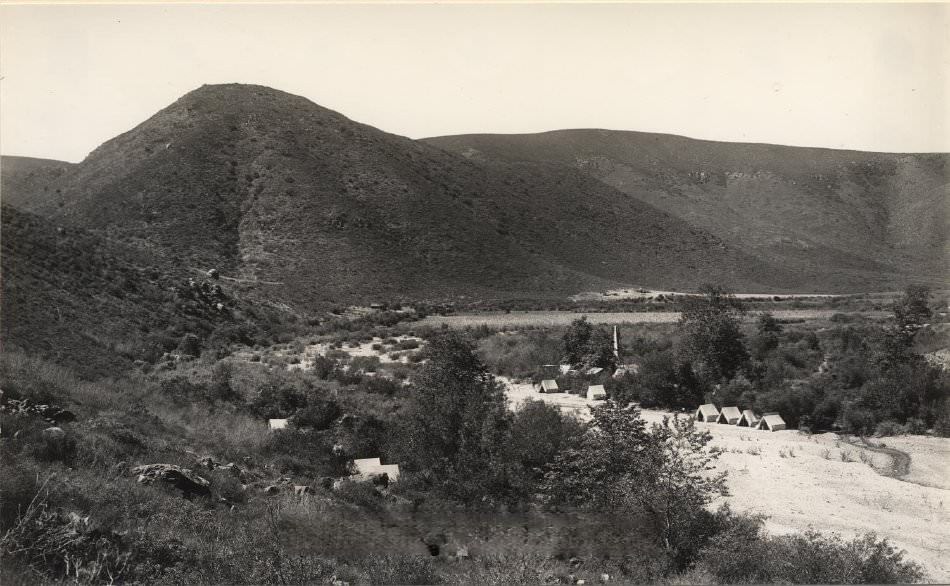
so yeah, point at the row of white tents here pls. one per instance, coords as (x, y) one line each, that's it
(708, 413)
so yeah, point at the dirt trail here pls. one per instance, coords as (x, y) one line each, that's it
(899, 465)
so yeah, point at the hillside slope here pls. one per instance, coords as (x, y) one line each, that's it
(873, 219)
(24, 177)
(268, 186)
(97, 305)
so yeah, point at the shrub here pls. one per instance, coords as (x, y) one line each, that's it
(379, 385)
(365, 364)
(323, 367)
(741, 553)
(363, 494)
(190, 345)
(888, 427)
(318, 414)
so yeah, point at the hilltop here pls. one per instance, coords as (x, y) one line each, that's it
(847, 218)
(271, 188)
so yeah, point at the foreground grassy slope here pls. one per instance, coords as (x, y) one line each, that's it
(872, 218)
(271, 187)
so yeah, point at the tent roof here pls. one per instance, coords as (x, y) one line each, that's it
(708, 409)
(596, 388)
(772, 420)
(366, 463)
(731, 412)
(549, 383)
(750, 416)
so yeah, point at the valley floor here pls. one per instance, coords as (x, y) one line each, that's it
(521, 319)
(824, 482)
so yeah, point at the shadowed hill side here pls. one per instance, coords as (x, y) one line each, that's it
(98, 306)
(875, 219)
(271, 187)
(25, 177)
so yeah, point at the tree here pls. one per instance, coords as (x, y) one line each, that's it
(586, 346)
(576, 340)
(912, 310)
(712, 339)
(768, 331)
(623, 468)
(609, 461)
(457, 422)
(539, 432)
(665, 382)
(684, 480)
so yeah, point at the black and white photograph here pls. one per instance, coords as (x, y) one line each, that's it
(474, 293)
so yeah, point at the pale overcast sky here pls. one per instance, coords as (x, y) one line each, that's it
(870, 77)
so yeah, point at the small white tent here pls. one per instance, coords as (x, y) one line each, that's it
(771, 422)
(707, 413)
(729, 415)
(367, 468)
(277, 423)
(748, 419)
(549, 385)
(596, 393)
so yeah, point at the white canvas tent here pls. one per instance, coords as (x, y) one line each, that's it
(277, 423)
(549, 385)
(596, 393)
(748, 419)
(729, 415)
(771, 422)
(366, 468)
(707, 413)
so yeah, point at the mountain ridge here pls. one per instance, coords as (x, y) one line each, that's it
(272, 187)
(785, 204)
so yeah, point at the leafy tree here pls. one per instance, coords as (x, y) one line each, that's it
(539, 432)
(623, 468)
(739, 391)
(457, 423)
(602, 471)
(576, 340)
(665, 382)
(587, 346)
(684, 479)
(712, 340)
(768, 334)
(912, 310)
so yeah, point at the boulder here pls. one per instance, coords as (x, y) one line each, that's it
(189, 483)
(54, 433)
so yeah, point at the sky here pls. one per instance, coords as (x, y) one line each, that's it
(857, 76)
